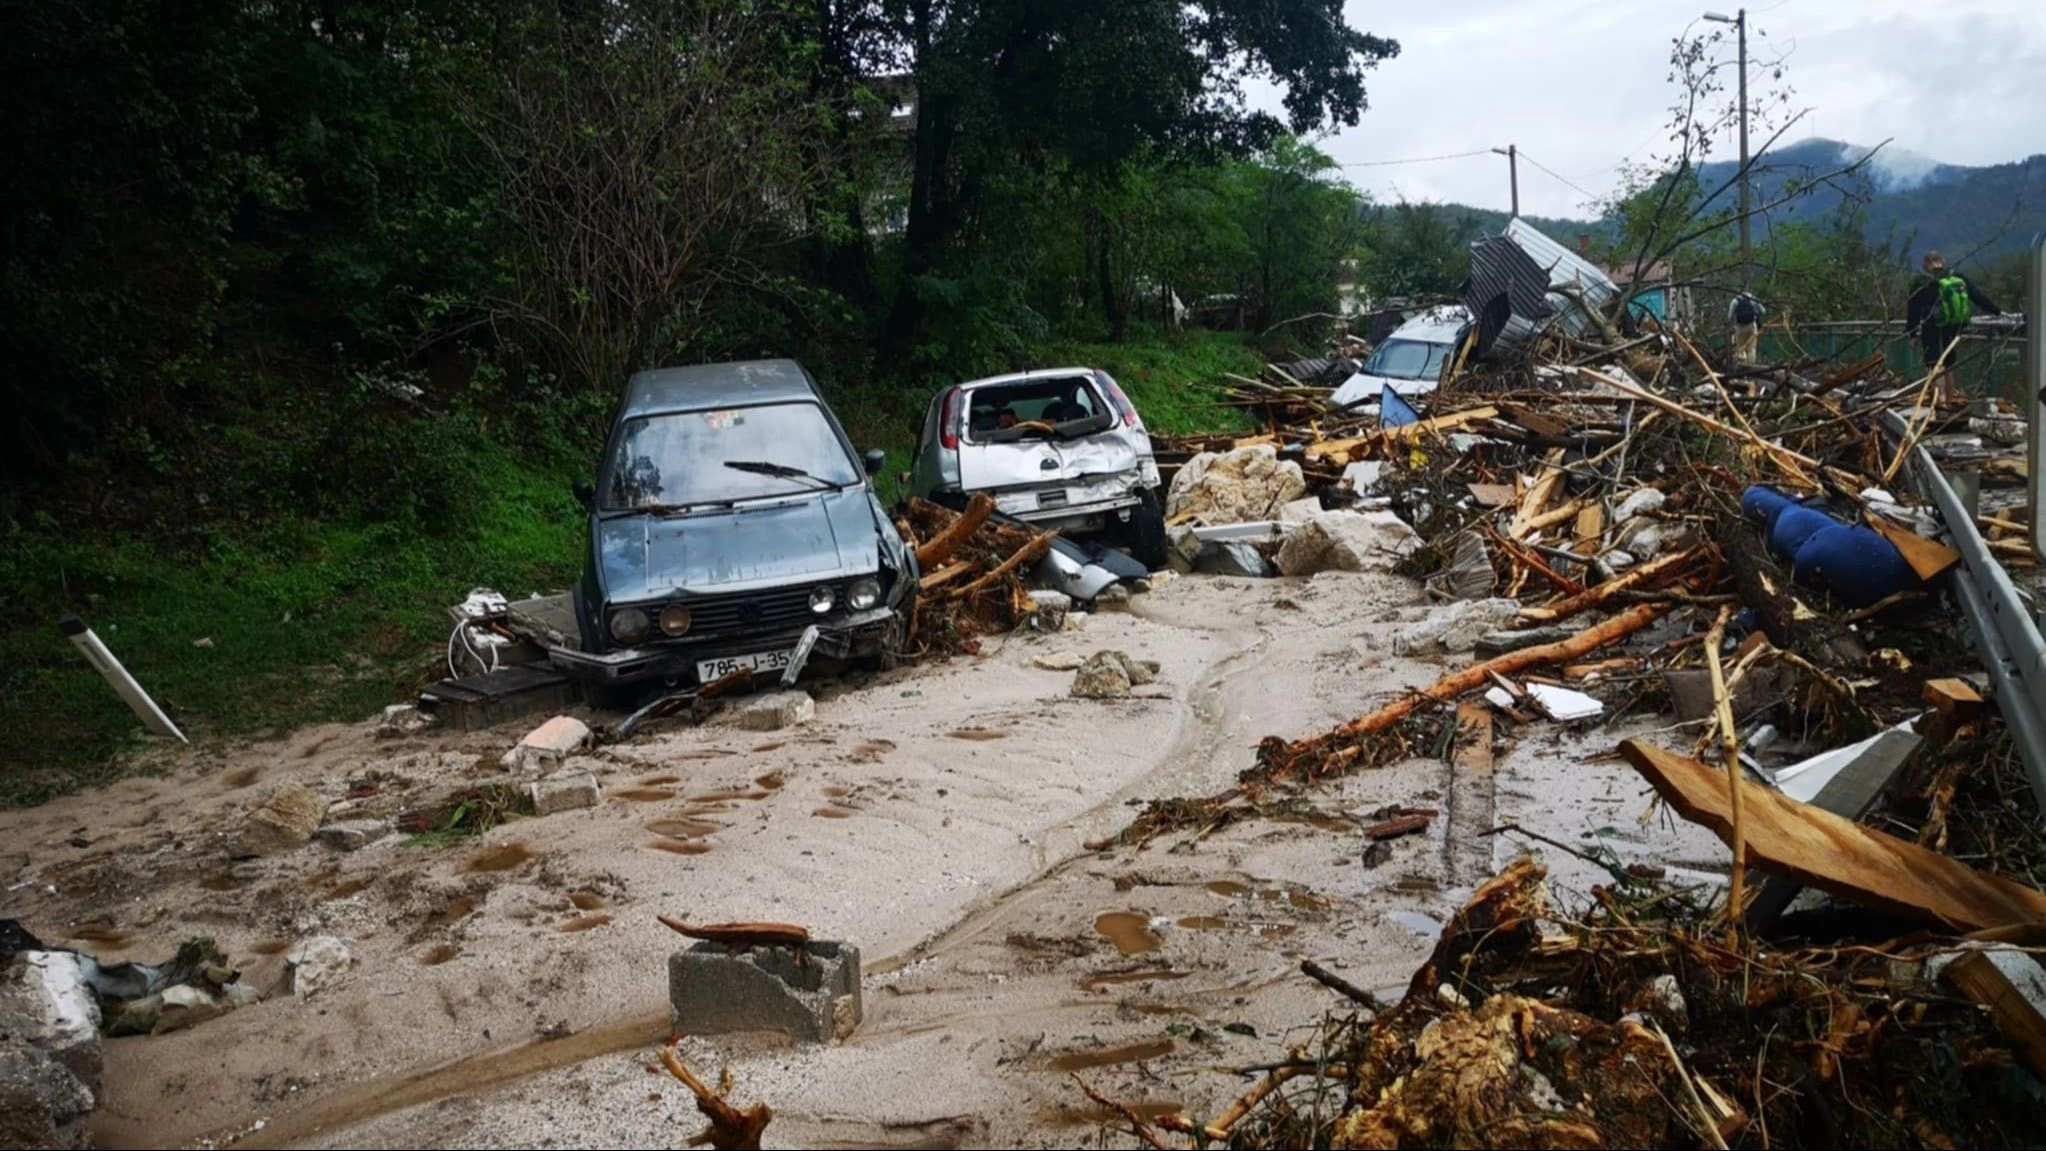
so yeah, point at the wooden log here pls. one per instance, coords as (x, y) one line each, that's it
(730, 1128)
(1449, 687)
(1644, 576)
(944, 575)
(741, 934)
(1823, 850)
(940, 547)
(1395, 828)
(1956, 699)
(1023, 555)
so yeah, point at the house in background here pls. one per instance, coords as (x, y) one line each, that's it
(1653, 291)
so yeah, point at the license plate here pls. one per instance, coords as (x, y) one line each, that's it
(711, 670)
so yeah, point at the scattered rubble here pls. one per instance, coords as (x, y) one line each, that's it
(354, 834)
(317, 962)
(545, 747)
(1347, 541)
(777, 710)
(286, 819)
(565, 793)
(1058, 661)
(1243, 484)
(1105, 675)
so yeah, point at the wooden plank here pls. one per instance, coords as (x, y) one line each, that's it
(2013, 986)
(1536, 422)
(1823, 850)
(1955, 698)
(1929, 559)
(1538, 495)
(1336, 451)
(1440, 423)
(1473, 750)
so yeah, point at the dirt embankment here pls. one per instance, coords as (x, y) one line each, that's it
(507, 991)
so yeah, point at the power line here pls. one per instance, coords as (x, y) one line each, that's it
(1557, 175)
(1417, 159)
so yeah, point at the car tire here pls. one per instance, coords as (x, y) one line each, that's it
(889, 657)
(1147, 531)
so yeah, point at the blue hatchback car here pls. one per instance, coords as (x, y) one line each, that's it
(730, 514)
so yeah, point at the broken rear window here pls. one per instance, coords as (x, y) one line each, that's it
(1032, 405)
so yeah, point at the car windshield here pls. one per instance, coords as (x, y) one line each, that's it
(1407, 360)
(1000, 407)
(683, 459)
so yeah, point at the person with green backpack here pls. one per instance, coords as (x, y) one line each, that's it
(1940, 307)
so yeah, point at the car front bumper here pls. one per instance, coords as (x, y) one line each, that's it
(862, 633)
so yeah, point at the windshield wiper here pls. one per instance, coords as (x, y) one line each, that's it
(780, 471)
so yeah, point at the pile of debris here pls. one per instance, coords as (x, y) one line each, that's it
(1609, 523)
(978, 569)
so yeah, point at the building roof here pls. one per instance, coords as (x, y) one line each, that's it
(701, 386)
(1656, 273)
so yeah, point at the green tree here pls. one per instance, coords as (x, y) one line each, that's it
(1417, 250)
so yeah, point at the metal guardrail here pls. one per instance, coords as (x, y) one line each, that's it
(2004, 628)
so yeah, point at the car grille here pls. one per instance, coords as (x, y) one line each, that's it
(774, 610)
(1054, 498)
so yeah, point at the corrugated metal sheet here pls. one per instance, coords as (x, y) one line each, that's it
(1510, 289)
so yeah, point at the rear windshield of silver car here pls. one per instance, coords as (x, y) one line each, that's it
(1028, 403)
(686, 459)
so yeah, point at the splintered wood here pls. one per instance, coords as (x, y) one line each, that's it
(730, 1128)
(975, 565)
(1822, 850)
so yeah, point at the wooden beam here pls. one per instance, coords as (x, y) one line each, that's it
(2013, 986)
(1836, 855)
(1956, 699)
(940, 547)
(1929, 559)
(1473, 751)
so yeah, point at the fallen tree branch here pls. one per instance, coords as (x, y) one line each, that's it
(1339, 985)
(940, 547)
(1449, 687)
(1639, 577)
(1025, 554)
(730, 1128)
(1138, 1127)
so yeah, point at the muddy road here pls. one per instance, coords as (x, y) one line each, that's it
(509, 990)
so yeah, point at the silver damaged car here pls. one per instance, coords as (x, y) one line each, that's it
(1061, 448)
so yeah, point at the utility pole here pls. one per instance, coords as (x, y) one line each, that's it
(1512, 154)
(1740, 23)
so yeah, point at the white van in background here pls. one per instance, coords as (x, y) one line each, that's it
(1409, 362)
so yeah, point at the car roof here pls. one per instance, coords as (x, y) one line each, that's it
(1026, 377)
(700, 386)
(1436, 325)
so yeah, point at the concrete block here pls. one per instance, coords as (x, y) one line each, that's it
(777, 710)
(1231, 558)
(353, 834)
(287, 819)
(1300, 510)
(1049, 612)
(546, 746)
(1114, 597)
(564, 793)
(812, 996)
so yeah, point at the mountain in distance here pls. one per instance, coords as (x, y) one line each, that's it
(1966, 213)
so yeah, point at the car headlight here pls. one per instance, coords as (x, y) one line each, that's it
(629, 626)
(674, 619)
(865, 594)
(822, 599)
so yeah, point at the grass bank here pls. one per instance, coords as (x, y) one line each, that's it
(261, 629)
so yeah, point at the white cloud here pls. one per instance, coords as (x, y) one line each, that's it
(1581, 85)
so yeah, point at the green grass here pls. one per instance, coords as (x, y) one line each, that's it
(310, 621)
(306, 621)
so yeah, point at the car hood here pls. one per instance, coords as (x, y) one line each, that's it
(1363, 390)
(815, 537)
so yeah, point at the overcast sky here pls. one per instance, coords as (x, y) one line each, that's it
(1580, 85)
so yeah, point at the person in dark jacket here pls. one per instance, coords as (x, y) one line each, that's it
(1939, 309)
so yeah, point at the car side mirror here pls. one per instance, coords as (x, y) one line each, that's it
(876, 460)
(585, 494)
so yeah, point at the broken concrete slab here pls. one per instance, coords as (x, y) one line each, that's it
(565, 793)
(317, 962)
(1347, 541)
(1105, 675)
(1564, 705)
(285, 820)
(545, 747)
(47, 1005)
(1455, 626)
(1114, 597)
(1231, 487)
(1058, 661)
(353, 834)
(402, 719)
(812, 997)
(1846, 781)
(777, 710)
(1232, 558)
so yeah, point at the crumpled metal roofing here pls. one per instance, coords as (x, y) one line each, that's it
(1512, 285)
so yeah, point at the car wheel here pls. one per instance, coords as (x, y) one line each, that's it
(889, 657)
(1147, 531)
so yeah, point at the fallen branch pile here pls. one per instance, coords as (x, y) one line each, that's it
(974, 573)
